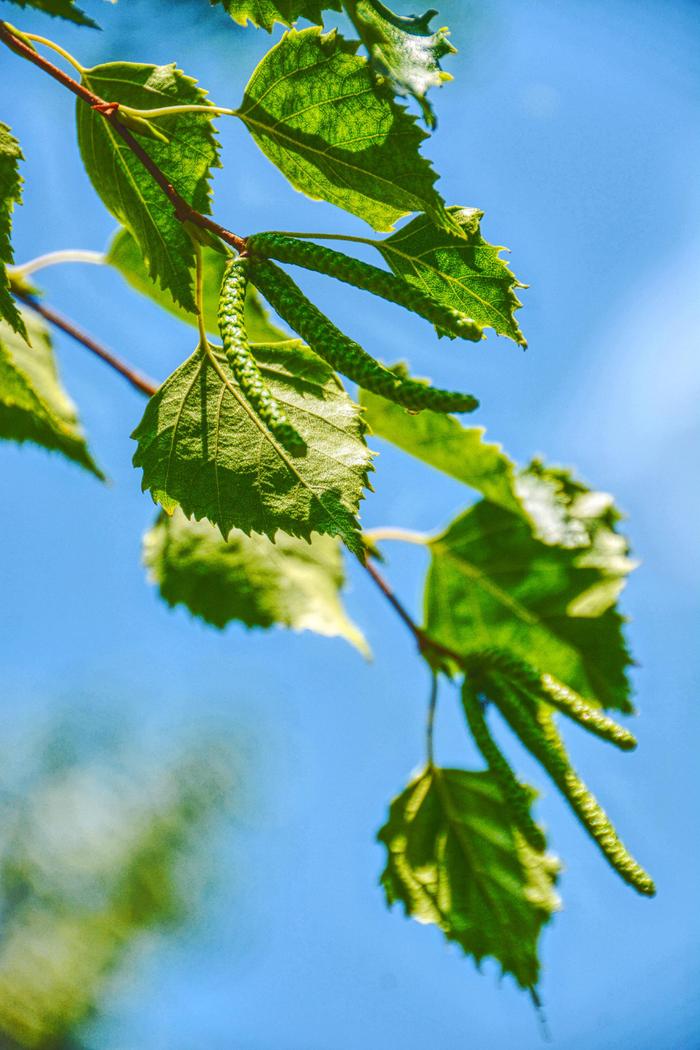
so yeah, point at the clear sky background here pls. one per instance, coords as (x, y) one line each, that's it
(575, 127)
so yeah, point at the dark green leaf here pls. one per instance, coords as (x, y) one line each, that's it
(264, 13)
(59, 8)
(126, 257)
(250, 579)
(404, 49)
(317, 112)
(464, 272)
(124, 185)
(33, 404)
(10, 194)
(203, 448)
(492, 583)
(457, 861)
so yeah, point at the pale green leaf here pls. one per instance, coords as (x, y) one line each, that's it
(126, 257)
(60, 8)
(202, 447)
(290, 582)
(455, 860)
(493, 584)
(33, 404)
(10, 194)
(464, 272)
(318, 113)
(403, 48)
(263, 14)
(124, 185)
(442, 442)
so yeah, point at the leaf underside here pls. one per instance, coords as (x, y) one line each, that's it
(250, 579)
(315, 109)
(33, 404)
(456, 861)
(404, 49)
(202, 447)
(60, 9)
(125, 256)
(263, 14)
(464, 271)
(10, 195)
(127, 190)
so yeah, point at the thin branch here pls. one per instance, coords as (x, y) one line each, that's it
(139, 382)
(425, 643)
(110, 111)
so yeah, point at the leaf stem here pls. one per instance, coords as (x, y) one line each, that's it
(139, 382)
(65, 255)
(57, 48)
(430, 721)
(328, 237)
(170, 111)
(395, 532)
(110, 112)
(199, 294)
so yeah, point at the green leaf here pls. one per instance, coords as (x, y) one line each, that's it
(33, 404)
(264, 13)
(493, 584)
(203, 448)
(10, 194)
(250, 579)
(456, 861)
(560, 510)
(442, 442)
(464, 272)
(315, 109)
(125, 256)
(404, 49)
(59, 8)
(124, 185)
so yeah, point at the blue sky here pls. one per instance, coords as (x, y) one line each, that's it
(575, 127)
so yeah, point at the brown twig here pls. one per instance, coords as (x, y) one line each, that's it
(110, 112)
(146, 386)
(139, 382)
(425, 643)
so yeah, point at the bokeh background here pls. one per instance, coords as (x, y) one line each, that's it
(575, 126)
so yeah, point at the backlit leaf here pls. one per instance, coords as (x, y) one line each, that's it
(33, 404)
(455, 860)
(318, 113)
(403, 48)
(125, 255)
(263, 14)
(127, 189)
(202, 447)
(250, 579)
(10, 195)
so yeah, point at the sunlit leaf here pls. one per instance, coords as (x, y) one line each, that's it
(202, 447)
(250, 579)
(33, 404)
(186, 155)
(317, 112)
(456, 861)
(10, 195)
(263, 14)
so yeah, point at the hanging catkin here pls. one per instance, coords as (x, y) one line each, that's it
(370, 278)
(239, 356)
(342, 353)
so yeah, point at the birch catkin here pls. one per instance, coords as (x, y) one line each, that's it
(342, 353)
(538, 733)
(370, 278)
(516, 796)
(240, 358)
